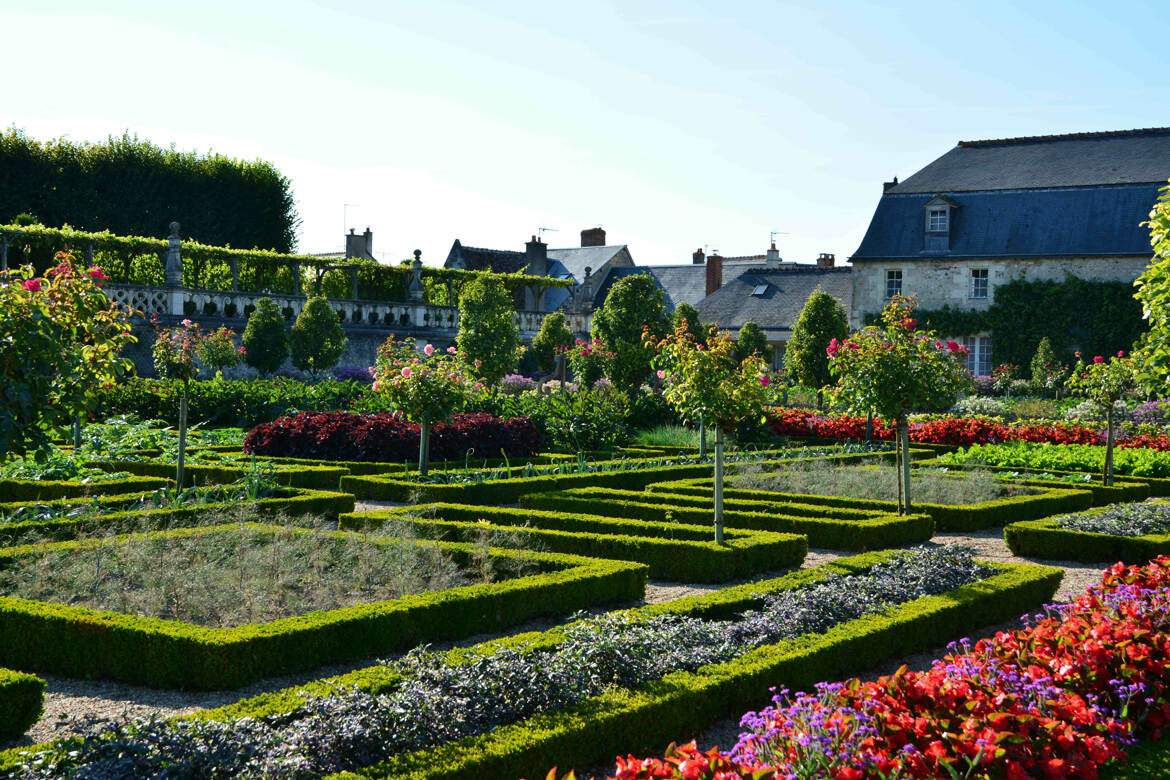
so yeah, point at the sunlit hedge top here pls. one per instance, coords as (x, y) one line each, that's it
(139, 260)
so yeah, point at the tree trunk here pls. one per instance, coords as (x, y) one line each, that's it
(1107, 475)
(820, 399)
(718, 485)
(784, 395)
(182, 436)
(869, 427)
(898, 469)
(703, 439)
(904, 439)
(424, 447)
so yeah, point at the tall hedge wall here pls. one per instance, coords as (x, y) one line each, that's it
(135, 188)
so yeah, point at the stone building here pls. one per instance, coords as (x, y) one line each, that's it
(592, 260)
(730, 291)
(989, 212)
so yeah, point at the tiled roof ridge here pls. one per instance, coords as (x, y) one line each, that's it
(1068, 137)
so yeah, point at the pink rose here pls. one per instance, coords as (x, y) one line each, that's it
(1098, 359)
(377, 386)
(1121, 353)
(661, 374)
(32, 285)
(451, 350)
(406, 371)
(765, 381)
(96, 273)
(186, 323)
(429, 349)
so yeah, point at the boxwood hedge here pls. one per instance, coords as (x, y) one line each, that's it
(645, 719)
(684, 553)
(952, 517)
(822, 525)
(82, 642)
(292, 502)
(22, 699)
(1046, 540)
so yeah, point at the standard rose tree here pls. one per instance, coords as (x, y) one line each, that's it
(424, 388)
(893, 368)
(174, 353)
(61, 340)
(1104, 382)
(704, 382)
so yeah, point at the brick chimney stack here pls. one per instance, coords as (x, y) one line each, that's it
(593, 237)
(772, 256)
(889, 185)
(697, 258)
(369, 236)
(714, 273)
(826, 260)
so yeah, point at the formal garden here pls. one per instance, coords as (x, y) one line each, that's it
(495, 560)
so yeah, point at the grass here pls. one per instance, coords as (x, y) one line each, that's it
(876, 481)
(670, 436)
(231, 574)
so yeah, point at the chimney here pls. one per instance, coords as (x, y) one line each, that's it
(714, 273)
(353, 245)
(593, 237)
(369, 235)
(772, 256)
(697, 258)
(826, 260)
(889, 185)
(536, 256)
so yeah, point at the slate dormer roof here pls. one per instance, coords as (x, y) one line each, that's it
(1078, 195)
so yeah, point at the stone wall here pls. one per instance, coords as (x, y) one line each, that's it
(939, 283)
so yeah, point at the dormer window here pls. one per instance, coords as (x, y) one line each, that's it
(937, 220)
(938, 224)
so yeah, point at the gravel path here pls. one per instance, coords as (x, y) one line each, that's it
(68, 702)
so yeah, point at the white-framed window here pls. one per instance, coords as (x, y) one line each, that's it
(979, 279)
(893, 282)
(937, 220)
(978, 355)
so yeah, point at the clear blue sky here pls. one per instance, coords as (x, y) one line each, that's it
(671, 124)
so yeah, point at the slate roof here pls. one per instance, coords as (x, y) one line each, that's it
(478, 259)
(576, 259)
(1082, 195)
(1077, 160)
(776, 310)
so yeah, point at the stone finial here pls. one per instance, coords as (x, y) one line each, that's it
(415, 289)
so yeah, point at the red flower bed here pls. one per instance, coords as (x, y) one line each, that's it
(1057, 699)
(958, 431)
(389, 438)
